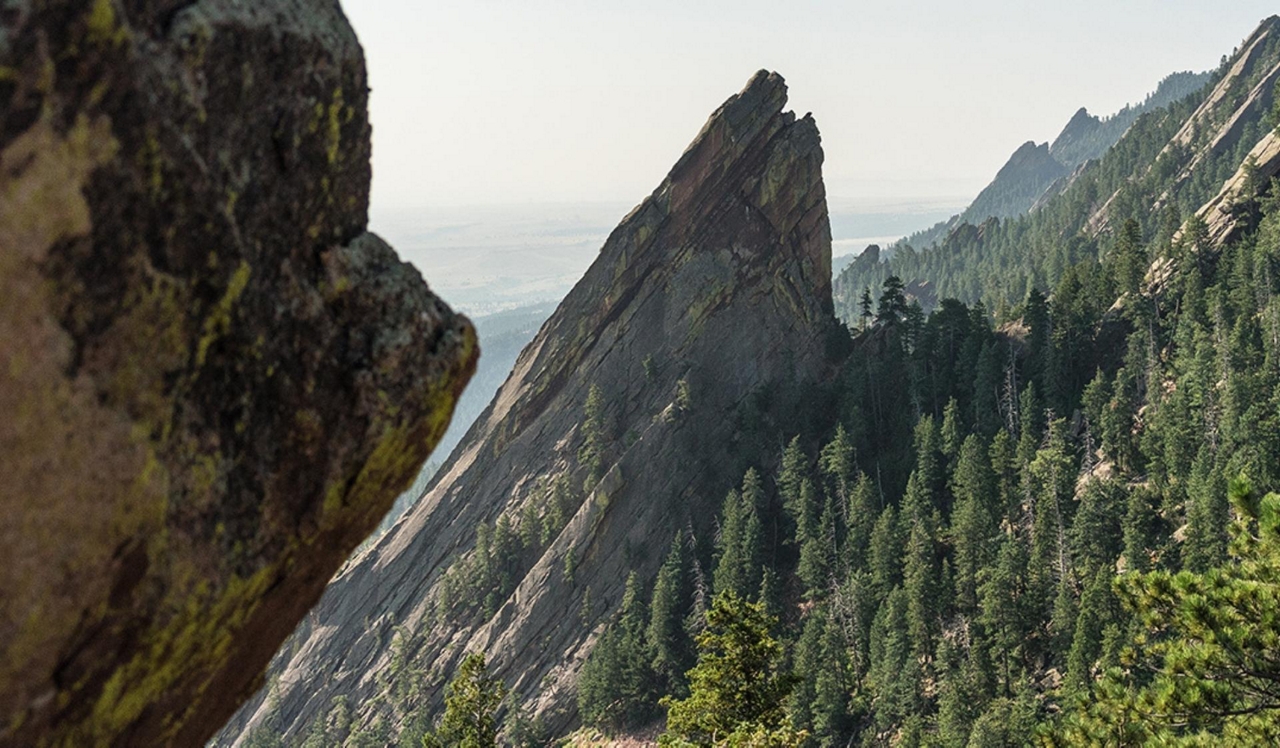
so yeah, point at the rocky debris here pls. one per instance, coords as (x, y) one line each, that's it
(712, 292)
(213, 382)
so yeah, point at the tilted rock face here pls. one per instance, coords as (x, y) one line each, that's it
(1241, 97)
(1023, 178)
(1221, 214)
(1070, 148)
(713, 288)
(213, 382)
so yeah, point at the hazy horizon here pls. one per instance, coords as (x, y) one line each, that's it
(500, 103)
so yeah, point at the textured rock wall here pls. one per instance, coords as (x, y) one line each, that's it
(213, 382)
(717, 286)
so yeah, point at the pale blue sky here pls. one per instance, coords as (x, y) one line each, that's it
(488, 101)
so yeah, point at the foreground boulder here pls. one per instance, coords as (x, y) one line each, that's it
(639, 403)
(213, 381)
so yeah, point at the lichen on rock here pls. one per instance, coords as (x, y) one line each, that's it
(213, 380)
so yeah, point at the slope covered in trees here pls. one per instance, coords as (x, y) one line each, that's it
(962, 558)
(1034, 173)
(1020, 529)
(1169, 163)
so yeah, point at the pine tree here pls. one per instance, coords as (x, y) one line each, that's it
(616, 686)
(838, 465)
(738, 689)
(974, 523)
(672, 593)
(729, 546)
(1139, 530)
(860, 521)
(1097, 611)
(894, 672)
(1004, 467)
(471, 700)
(952, 433)
(922, 584)
(1097, 537)
(865, 306)
(818, 555)
(893, 302)
(591, 453)
(740, 545)
(1130, 257)
(1207, 652)
(1036, 316)
(887, 545)
(1004, 611)
(791, 476)
(753, 550)
(1206, 541)
(831, 687)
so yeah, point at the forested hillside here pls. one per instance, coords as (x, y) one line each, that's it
(1042, 522)
(942, 563)
(1034, 174)
(1169, 163)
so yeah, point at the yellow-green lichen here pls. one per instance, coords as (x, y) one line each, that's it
(198, 639)
(151, 161)
(395, 460)
(335, 126)
(219, 320)
(233, 197)
(102, 26)
(152, 342)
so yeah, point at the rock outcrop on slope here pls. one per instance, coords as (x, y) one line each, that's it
(213, 382)
(1034, 175)
(632, 410)
(1087, 137)
(1023, 179)
(1222, 215)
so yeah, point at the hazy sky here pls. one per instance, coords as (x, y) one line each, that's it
(481, 101)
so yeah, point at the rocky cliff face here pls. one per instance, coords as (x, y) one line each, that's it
(213, 382)
(631, 411)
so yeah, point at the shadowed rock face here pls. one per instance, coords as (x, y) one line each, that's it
(714, 289)
(213, 382)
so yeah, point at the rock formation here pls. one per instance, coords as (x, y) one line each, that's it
(1241, 98)
(633, 408)
(213, 382)
(1222, 215)
(1034, 175)
(1023, 179)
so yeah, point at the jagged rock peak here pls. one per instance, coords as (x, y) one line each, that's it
(1080, 126)
(745, 126)
(213, 381)
(715, 290)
